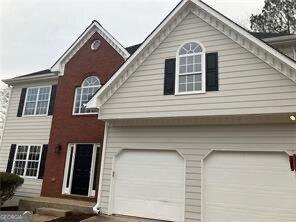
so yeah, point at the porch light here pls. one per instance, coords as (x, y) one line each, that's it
(293, 118)
(58, 148)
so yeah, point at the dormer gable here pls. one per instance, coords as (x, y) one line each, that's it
(249, 76)
(94, 27)
(214, 19)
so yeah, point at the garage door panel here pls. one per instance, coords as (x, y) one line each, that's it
(135, 208)
(249, 186)
(235, 215)
(149, 184)
(135, 191)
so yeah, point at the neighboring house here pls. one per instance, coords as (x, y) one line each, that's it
(31, 134)
(284, 43)
(199, 125)
(27, 127)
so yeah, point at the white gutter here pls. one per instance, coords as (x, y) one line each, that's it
(96, 208)
(30, 78)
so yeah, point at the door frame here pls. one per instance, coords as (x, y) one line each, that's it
(69, 168)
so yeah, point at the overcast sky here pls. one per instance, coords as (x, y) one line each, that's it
(34, 33)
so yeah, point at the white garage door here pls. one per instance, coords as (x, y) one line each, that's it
(249, 187)
(149, 184)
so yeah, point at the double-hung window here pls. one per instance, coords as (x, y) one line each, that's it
(84, 93)
(37, 101)
(27, 160)
(190, 73)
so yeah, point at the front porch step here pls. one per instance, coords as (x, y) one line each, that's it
(76, 206)
(53, 212)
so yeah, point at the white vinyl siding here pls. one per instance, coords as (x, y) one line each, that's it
(247, 85)
(29, 130)
(194, 143)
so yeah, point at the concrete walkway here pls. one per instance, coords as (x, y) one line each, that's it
(42, 218)
(104, 218)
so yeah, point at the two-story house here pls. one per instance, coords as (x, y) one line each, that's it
(200, 124)
(50, 138)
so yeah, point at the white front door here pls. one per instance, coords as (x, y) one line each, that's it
(248, 187)
(149, 184)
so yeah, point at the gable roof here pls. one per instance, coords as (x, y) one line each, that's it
(133, 48)
(238, 34)
(45, 74)
(95, 26)
(130, 49)
(41, 72)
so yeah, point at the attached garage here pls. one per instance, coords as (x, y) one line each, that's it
(149, 184)
(248, 186)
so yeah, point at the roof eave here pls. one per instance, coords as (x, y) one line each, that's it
(49, 76)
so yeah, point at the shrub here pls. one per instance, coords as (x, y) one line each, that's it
(8, 184)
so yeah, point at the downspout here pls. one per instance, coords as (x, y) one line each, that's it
(96, 208)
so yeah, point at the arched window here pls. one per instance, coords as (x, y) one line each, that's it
(190, 74)
(84, 93)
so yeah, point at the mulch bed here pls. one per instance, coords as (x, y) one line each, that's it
(73, 218)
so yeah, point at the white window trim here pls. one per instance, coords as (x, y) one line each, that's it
(67, 190)
(27, 159)
(74, 101)
(73, 110)
(203, 70)
(35, 109)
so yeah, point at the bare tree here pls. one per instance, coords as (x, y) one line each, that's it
(4, 97)
(276, 16)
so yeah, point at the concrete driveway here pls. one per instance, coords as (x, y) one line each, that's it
(103, 218)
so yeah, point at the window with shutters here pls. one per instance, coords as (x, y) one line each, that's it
(190, 69)
(84, 93)
(37, 101)
(27, 160)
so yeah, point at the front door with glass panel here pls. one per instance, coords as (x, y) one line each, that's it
(82, 167)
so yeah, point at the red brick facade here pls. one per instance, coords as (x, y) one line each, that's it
(67, 128)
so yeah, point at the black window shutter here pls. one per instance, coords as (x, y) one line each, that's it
(42, 161)
(169, 76)
(21, 103)
(52, 99)
(212, 79)
(11, 158)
